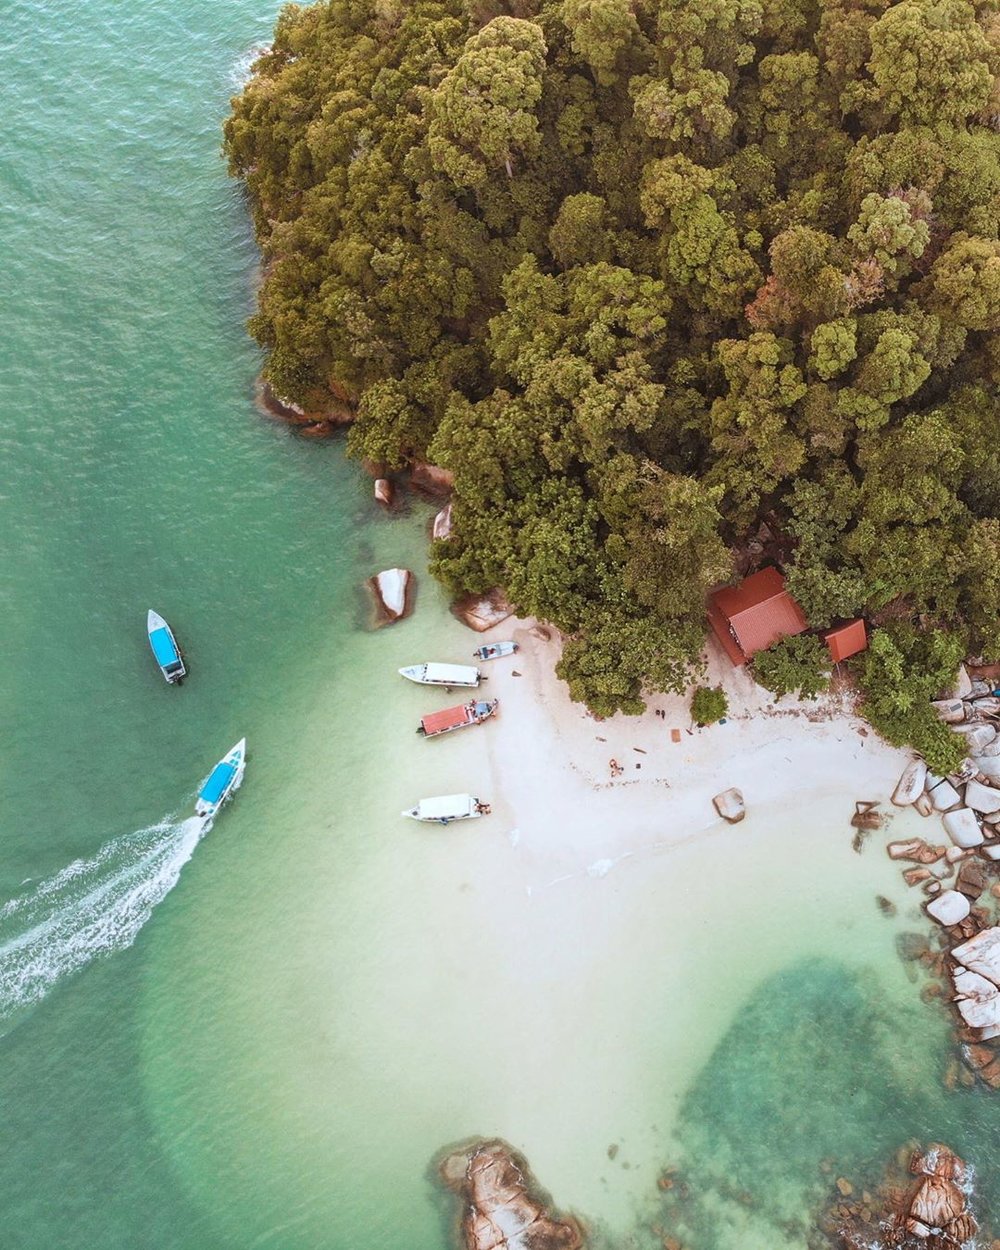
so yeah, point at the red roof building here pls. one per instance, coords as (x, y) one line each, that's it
(754, 615)
(846, 640)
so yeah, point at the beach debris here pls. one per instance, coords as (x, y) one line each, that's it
(640, 750)
(949, 908)
(441, 529)
(730, 805)
(392, 589)
(500, 1207)
(962, 827)
(385, 492)
(675, 735)
(866, 814)
(911, 784)
(482, 612)
(615, 767)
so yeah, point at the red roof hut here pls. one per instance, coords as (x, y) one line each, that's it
(846, 640)
(754, 615)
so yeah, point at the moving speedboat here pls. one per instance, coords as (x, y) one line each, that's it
(223, 780)
(442, 674)
(165, 648)
(495, 650)
(445, 808)
(458, 717)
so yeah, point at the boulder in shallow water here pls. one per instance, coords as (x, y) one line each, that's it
(910, 784)
(392, 589)
(950, 907)
(502, 1209)
(730, 805)
(943, 794)
(385, 492)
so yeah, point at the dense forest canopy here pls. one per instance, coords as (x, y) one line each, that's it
(648, 276)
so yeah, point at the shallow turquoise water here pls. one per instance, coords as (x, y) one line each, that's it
(273, 1055)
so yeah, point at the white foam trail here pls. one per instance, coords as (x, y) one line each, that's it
(90, 909)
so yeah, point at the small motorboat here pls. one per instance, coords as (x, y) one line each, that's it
(165, 648)
(448, 807)
(442, 674)
(495, 650)
(224, 779)
(443, 722)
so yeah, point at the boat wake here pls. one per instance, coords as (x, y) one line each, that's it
(90, 909)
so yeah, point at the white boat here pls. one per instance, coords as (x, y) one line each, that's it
(165, 649)
(224, 779)
(442, 674)
(495, 650)
(448, 807)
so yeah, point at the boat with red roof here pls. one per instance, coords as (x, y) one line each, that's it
(472, 713)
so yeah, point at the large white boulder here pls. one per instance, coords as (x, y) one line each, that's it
(963, 827)
(977, 737)
(911, 784)
(949, 907)
(391, 589)
(943, 793)
(982, 798)
(981, 954)
(977, 999)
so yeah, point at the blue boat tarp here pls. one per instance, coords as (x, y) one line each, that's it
(163, 647)
(213, 788)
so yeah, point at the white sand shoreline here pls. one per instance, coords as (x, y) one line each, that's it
(548, 755)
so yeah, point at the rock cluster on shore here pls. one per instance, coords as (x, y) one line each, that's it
(930, 1212)
(502, 1209)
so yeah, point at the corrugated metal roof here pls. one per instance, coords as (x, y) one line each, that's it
(760, 611)
(447, 718)
(846, 640)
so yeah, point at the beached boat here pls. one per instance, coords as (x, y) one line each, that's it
(459, 717)
(445, 808)
(223, 780)
(495, 650)
(442, 674)
(165, 648)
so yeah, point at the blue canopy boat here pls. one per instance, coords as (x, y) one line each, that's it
(165, 648)
(223, 780)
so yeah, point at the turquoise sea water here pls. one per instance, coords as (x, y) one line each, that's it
(264, 1039)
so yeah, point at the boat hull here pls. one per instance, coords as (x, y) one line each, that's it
(447, 675)
(459, 717)
(495, 650)
(447, 808)
(165, 650)
(223, 781)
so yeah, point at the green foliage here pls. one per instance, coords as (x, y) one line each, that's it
(902, 670)
(646, 276)
(799, 664)
(708, 704)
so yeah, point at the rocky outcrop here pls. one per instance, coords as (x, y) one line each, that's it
(393, 593)
(730, 806)
(930, 1212)
(482, 612)
(431, 479)
(441, 528)
(385, 492)
(949, 908)
(311, 424)
(502, 1209)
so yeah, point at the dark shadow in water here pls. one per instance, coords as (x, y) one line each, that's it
(821, 1075)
